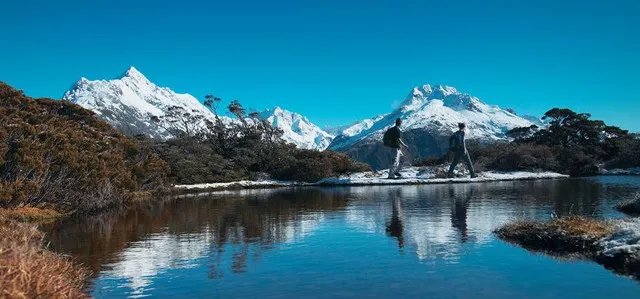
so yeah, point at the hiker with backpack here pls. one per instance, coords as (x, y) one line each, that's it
(393, 139)
(458, 146)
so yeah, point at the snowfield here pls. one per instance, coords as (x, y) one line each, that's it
(411, 176)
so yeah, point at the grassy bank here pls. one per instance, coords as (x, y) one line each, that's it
(27, 269)
(614, 244)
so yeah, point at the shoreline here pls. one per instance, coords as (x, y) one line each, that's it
(367, 179)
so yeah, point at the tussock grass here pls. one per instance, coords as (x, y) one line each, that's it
(30, 214)
(27, 270)
(560, 235)
(613, 244)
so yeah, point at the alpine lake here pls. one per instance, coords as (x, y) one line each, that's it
(419, 241)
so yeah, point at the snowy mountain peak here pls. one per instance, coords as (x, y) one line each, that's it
(433, 113)
(130, 101)
(449, 95)
(135, 74)
(297, 129)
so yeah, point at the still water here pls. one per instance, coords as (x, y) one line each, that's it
(424, 241)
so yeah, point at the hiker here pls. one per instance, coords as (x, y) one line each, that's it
(459, 148)
(392, 139)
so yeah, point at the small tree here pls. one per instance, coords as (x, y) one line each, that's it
(236, 109)
(180, 122)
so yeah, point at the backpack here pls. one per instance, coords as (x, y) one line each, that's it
(386, 138)
(454, 141)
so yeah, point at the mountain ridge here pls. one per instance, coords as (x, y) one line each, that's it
(129, 102)
(430, 113)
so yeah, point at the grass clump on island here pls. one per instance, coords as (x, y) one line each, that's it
(27, 270)
(614, 244)
(559, 235)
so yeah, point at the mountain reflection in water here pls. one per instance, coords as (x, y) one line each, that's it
(229, 233)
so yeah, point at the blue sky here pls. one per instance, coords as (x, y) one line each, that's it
(338, 61)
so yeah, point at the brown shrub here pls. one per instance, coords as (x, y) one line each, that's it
(58, 154)
(29, 271)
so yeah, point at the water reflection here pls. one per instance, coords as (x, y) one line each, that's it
(459, 212)
(227, 234)
(138, 244)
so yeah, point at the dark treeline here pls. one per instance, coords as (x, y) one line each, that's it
(572, 143)
(205, 151)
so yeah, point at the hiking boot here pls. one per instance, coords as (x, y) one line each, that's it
(398, 175)
(473, 176)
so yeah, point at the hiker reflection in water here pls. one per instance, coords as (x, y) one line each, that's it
(395, 227)
(459, 209)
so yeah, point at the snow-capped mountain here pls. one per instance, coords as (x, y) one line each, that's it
(430, 114)
(130, 101)
(297, 129)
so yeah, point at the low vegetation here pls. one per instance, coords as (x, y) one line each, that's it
(572, 144)
(560, 235)
(58, 159)
(30, 214)
(576, 145)
(248, 148)
(612, 243)
(57, 155)
(29, 271)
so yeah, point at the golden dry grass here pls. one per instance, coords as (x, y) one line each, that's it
(27, 270)
(30, 214)
(580, 226)
(566, 234)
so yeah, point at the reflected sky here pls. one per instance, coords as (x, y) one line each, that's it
(373, 241)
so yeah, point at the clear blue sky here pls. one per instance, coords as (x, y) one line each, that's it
(338, 61)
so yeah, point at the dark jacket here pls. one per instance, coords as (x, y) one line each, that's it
(457, 142)
(396, 134)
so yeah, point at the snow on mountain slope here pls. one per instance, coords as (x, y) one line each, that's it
(297, 129)
(129, 101)
(437, 109)
(357, 127)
